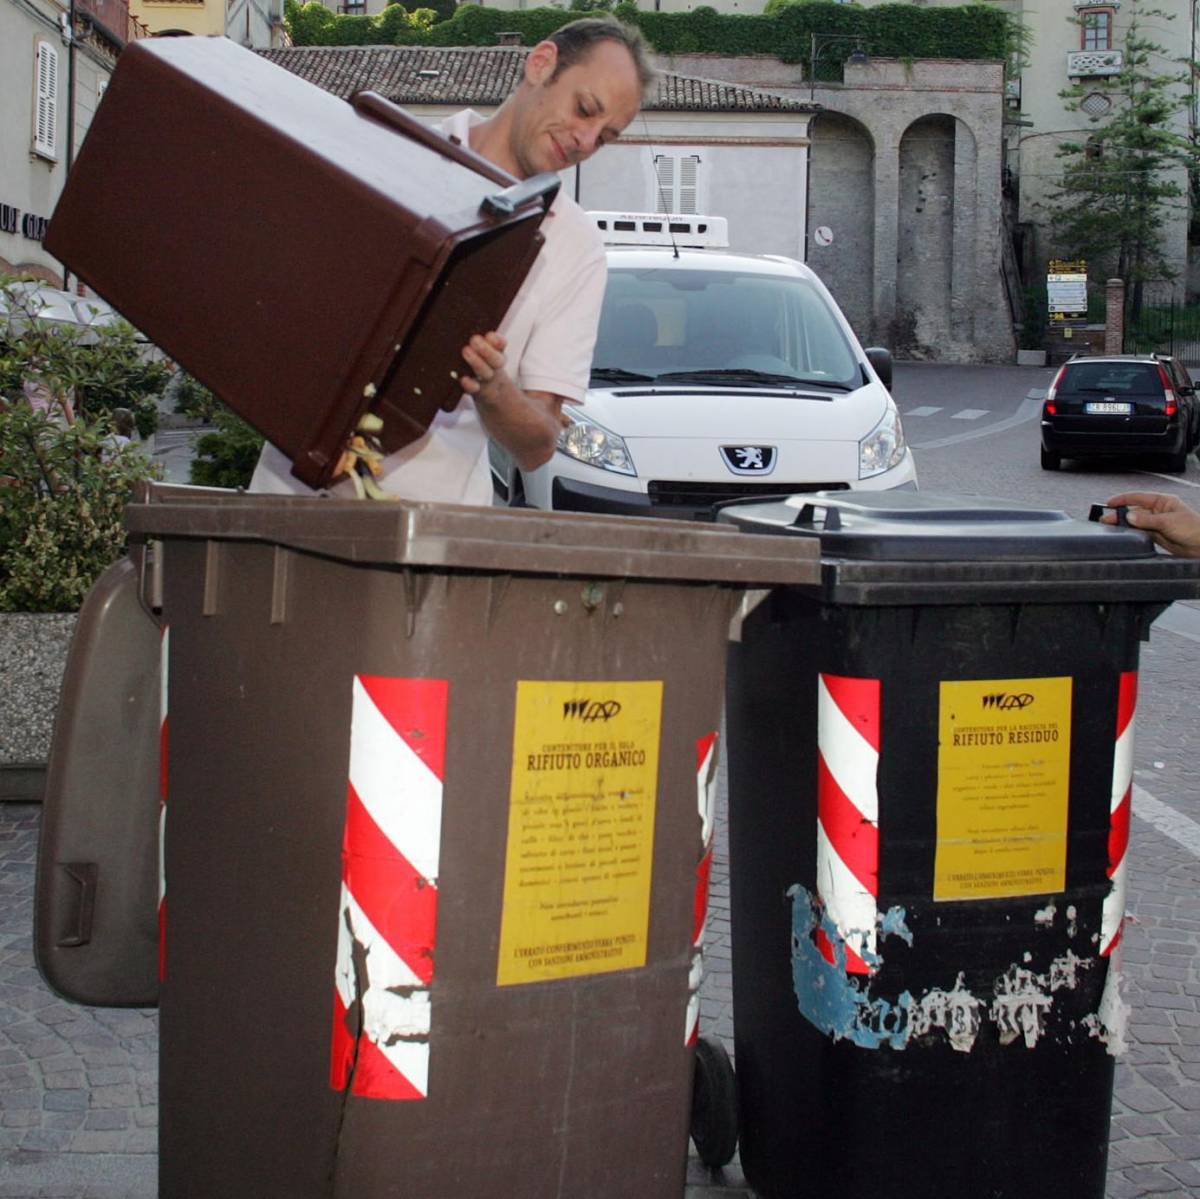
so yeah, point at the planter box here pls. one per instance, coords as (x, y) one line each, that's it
(1031, 357)
(33, 655)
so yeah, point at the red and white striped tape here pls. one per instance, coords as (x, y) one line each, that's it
(164, 658)
(1112, 918)
(706, 799)
(388, 912)
(848, 815)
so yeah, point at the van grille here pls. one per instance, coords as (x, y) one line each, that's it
(665, 494)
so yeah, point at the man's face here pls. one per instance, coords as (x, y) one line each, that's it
(561, 122)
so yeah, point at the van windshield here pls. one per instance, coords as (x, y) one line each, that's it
(729, 325)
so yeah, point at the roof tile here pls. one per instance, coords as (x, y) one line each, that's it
(485, 75)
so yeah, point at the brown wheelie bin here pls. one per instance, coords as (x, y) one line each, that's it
(438, 805)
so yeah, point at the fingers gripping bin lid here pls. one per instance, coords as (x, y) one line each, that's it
(304, 258)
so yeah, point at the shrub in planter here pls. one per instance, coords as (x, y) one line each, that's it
(64, 476)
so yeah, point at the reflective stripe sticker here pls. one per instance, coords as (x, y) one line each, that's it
(388, 911)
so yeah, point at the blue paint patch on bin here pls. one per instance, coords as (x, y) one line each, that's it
(829, 998)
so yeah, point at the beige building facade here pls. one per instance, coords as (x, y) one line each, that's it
(52, 76)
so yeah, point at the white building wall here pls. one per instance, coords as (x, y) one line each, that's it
(753, 171)
(30, 183)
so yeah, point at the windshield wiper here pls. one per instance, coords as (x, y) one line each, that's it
(735, 377)
(617, 374)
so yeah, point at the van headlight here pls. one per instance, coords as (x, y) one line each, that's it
(883, 447)
(586, 441)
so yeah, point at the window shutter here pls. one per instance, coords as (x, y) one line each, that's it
(664, 177)
(677, 183)
(45, 132)
(689, 172)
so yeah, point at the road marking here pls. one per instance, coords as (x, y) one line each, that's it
(970, 414)
(1169, 478)
(1180, 828)
(1030, 409)
(924, 410)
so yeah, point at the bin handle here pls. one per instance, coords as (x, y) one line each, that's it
(372, 104)
(1098, 510)
(83, 875)
(807, 517)
(540, 187)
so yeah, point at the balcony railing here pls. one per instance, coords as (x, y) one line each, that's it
(113, 18)
(1084, 63)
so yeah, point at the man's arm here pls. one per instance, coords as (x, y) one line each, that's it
(525, 423)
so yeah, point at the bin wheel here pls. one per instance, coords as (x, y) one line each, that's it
(1050, 460)
(714, 1104)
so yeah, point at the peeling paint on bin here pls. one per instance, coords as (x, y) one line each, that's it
(830, 998)
(840, 1004)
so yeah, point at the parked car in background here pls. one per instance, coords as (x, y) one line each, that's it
(23, 300)
(716, 376)
(1120, 405)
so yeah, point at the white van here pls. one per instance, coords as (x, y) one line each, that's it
(716, 376)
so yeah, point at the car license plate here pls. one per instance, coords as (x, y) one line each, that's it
(1109, 407)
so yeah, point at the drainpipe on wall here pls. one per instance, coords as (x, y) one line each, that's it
(70, 113)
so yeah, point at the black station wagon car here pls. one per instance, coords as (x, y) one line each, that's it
(1120, 404)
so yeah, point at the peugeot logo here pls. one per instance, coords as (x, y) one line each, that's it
(749, 459)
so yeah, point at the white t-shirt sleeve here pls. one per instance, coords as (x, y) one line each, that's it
(558, 356)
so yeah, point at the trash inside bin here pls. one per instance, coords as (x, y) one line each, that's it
(930, 758)
(305, 258)
(438, 807)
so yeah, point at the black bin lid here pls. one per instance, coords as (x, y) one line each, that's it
(908, 547)
(914, 526)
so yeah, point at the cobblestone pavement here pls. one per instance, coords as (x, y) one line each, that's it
(78, 1091)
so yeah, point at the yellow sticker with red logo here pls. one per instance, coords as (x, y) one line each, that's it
(1004, 754)
(580, 847)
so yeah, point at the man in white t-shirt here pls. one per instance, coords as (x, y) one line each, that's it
(580, 89)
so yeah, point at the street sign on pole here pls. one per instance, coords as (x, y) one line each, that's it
(1066, 290)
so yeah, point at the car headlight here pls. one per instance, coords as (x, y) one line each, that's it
(883, 447)
(586, 441)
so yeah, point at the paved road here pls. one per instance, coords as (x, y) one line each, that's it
(78, 1086)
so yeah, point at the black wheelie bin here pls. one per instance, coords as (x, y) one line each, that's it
(930, 757)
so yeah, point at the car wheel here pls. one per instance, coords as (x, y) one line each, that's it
(1050, 460)
(1177, 462)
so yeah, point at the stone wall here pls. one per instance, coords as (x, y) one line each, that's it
(905, 173)
(33, 656)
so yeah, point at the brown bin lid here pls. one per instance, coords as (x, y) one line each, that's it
(456, 537)
(303, 257)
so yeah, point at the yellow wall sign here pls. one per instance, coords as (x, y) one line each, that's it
(580, 829)
(1004, 752)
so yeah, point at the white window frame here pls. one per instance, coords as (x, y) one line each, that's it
(45, 101)
(676, 182)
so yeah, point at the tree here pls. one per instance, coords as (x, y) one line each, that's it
(1119, 184)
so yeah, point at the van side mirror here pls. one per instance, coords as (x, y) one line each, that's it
(881, 360)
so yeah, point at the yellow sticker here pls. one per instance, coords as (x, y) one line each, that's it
(580, 829)
(1004, 753)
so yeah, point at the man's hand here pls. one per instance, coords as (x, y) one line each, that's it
(1175, 526)
(526, 424)
(484, 354)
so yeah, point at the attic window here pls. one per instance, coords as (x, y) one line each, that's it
(429, 74)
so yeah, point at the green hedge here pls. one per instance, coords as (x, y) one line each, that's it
(891, 30)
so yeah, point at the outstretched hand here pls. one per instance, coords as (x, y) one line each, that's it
(1174, 525)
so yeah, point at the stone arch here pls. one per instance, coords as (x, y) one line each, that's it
(925, 235)
(841, 198)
